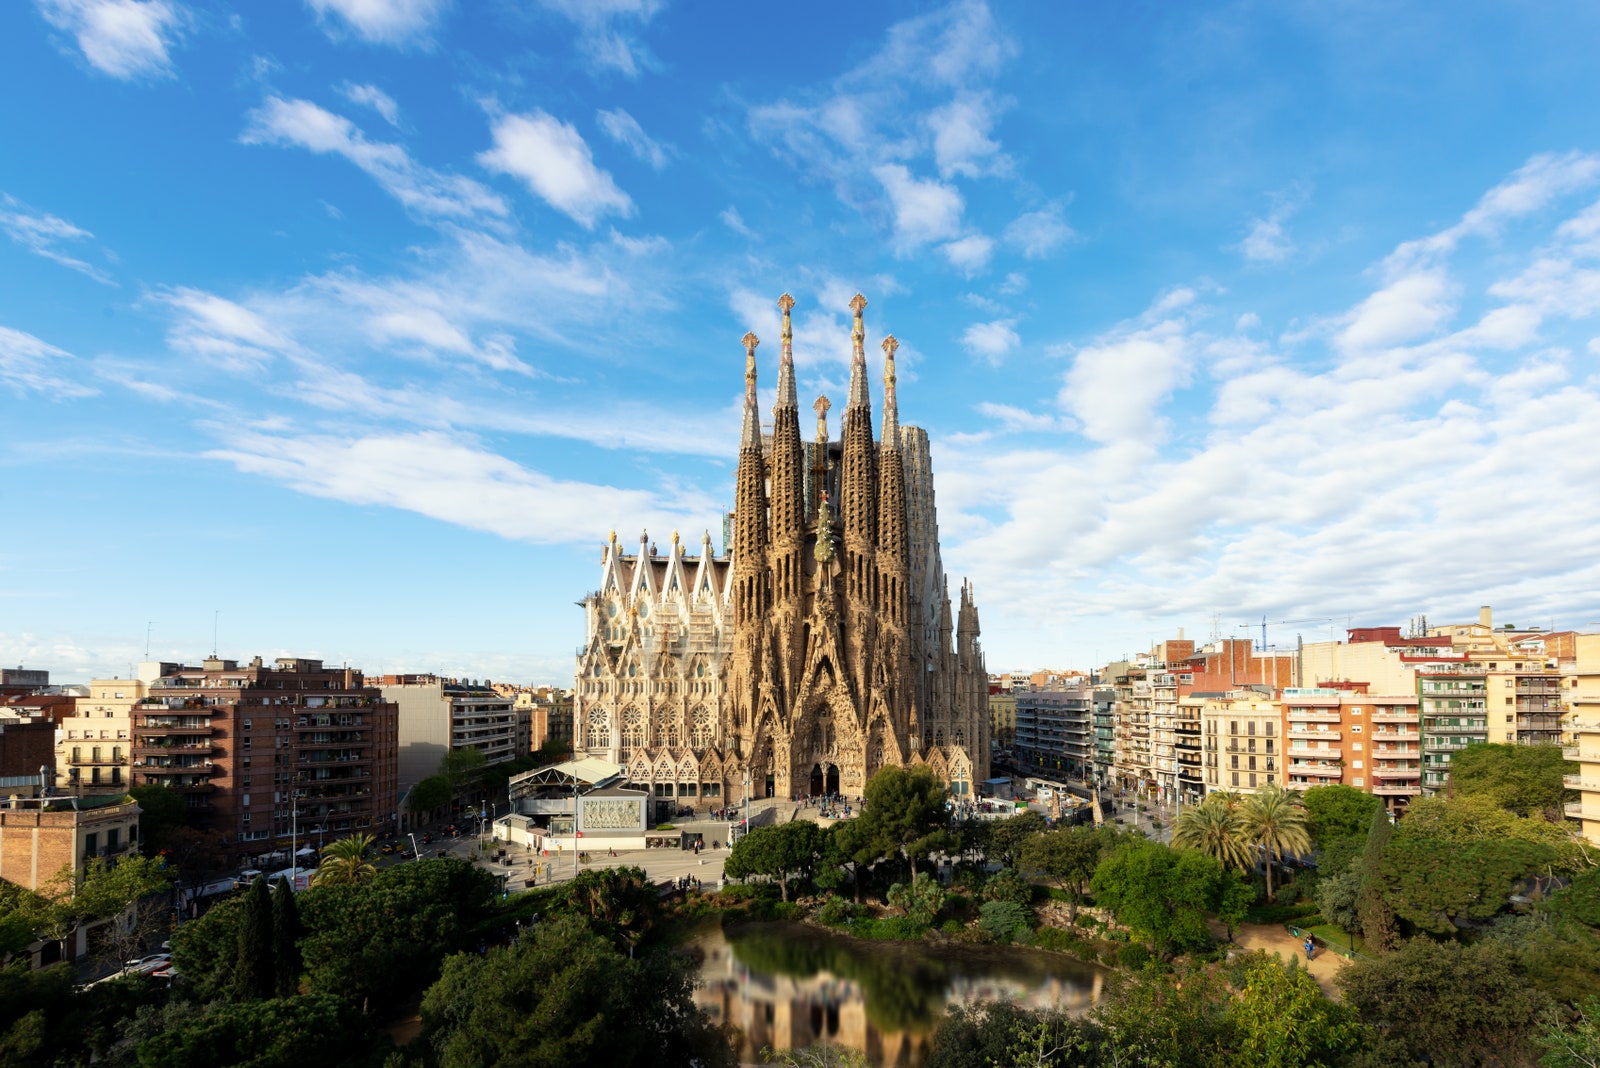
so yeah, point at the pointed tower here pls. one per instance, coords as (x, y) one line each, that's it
(787, 465)
(858, 509)
(750, 544)
(894, 647)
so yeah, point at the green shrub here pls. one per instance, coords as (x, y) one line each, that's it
(836, 911)
(1000, 919)
(920, 900)
(1007, 885)
(1062, 941)
(957, 902)
(891, 929)
(735, 892)
(665, 827)
(952, 927)
(1133, 957)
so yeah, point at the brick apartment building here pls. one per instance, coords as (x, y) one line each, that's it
(257, 749)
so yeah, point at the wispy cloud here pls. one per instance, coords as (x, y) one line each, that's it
(387, 22)
(371, 96)
(43, 234)
(1268, 240)
(125, 39)
(625, 130)
(29, 365)
(456, 481)
(553, 159)
(420, 189)
(607, 32)
(1037, 234)
(734, 221)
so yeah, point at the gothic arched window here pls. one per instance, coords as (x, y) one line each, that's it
(599, 731)
(632, 730)
(700, 728)
(667, 732)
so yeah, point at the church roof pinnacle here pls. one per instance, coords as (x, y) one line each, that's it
(891, 406)
(786, 392)
(751, 434)
(858, 359)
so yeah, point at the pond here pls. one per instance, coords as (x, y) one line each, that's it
(793, 986)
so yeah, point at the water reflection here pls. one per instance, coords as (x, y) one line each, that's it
(793, 986)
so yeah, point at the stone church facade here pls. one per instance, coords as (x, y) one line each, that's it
(821, 648)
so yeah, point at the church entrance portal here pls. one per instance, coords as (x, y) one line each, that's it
(824, 780)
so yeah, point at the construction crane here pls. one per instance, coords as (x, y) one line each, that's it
(1282, 623)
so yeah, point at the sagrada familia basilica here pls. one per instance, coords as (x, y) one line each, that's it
(821, 647)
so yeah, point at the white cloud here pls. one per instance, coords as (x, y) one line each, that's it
(992, 341)
(126, 39)
(924, 210)
(456, 481)
(969, 254)
(1010, 417)
(1535, 184)
(387, 22)
(1402, 311)
(1116, 384)
(606, 32)
(42, 234)
(625, 130)
(1268, 240)
(222, 333)
(961, 142)
(555, 162)
(734, 221)
(28, 364)
(370, 96)
(1036, 234)
(420, 189)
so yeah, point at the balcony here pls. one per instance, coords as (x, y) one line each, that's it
(98, 761)
(1395, 736)
(172, 769)
(200, 751)
(153, 730)
(1331, 736)
(1312, 715)
(1315, 754)
(1456, 728)
(1588, 784)
(1397, 773)
(193, 787)
(1407, 715)
(1393, 789)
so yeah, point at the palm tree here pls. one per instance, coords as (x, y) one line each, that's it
(345, 863)
(1274, 820)
(1215, 830)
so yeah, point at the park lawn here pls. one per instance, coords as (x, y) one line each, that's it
(1335, 937)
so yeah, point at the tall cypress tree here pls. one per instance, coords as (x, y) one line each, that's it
(286, 932)
(1379, 926)
(256, 973)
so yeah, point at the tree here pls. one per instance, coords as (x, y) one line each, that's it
(1234, 903)
(162, 810)
(1163, 894)
(461, 769)
(1574, 1044)
(1476, 818)
(1339, 898)
(286, 931)
(1335, 812)
(257, 972)
(919, 900)
(789, 850)
(130, 893)
(1273, 820)
(277, 1033)
(617, 901)
(1008, 837)
(554, 750)
(1379, 926)
(1150, 1021)
(1215, 830)
(905, 813)
(1282, 1020)
(848, 846)
(1446, 1003)
(345, 862)
(1066, 859)
(22, 914)
(1525, 779)
(1438, 885)
(565, 995)
(429, 794)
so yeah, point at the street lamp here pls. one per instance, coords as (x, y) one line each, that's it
(416, 854)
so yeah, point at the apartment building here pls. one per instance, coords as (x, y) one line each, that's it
(27, 755)
(549, 711)
(41, 837)
(1053, 729)
(1003, 714)
(1242, 739)
(1582, 731)
(1103, 719)
(94, 751)
(257, 750)
(437, 715)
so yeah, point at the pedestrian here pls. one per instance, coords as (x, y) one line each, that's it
(1311, 947)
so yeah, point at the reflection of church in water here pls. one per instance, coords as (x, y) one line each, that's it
(821, 648)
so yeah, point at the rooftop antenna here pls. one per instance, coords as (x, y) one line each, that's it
(148, 628)
(216, 617)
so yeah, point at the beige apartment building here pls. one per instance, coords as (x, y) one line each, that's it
(438, 715)
(1242, 740)
(1343, 735)
(1582, 730)
(94, 754)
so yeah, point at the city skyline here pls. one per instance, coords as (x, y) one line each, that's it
(349, 333)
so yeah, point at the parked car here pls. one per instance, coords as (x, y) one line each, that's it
(146, 965)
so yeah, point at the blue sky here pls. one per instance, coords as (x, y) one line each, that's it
(362, 322)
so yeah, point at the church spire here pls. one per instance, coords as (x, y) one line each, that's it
(751, 434)
(858, 358)
(786, 393)
(891, 407)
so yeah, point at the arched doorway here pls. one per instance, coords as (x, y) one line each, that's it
(824, 779)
